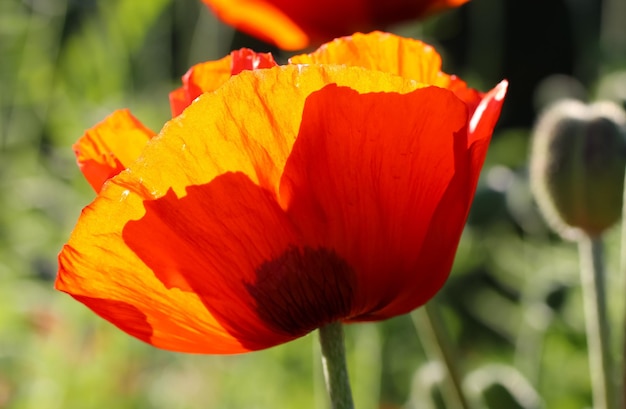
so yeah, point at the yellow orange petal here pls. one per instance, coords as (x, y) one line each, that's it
(209, 76)
(110, 146)
(382, 52)
(408, 58)
(200, 78)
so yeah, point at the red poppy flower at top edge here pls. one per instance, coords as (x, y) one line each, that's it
(294, 25)
(288, 198)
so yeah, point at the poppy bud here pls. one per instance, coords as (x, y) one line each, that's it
(577, 166)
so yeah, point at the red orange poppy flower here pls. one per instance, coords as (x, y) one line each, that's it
(294, 25)
(287, 198)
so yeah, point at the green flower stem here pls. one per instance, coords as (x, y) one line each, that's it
(437, 345)
(335, 368)
(612, 39)
(622, 395)
(598, 342)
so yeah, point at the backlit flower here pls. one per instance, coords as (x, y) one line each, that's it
(334, 188)
(294, 25)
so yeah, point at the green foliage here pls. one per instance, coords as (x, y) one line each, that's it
(512, 303)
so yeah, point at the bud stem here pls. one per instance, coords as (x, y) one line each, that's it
(335, 368)
(437, 345)
(598, 342)
(622, 396)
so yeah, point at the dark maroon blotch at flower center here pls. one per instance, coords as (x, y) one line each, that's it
(303, 289)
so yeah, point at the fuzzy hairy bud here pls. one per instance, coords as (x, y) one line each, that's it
(577, 166)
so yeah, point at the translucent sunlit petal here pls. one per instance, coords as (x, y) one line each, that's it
(371, 166)
(210, 75)
(110, 146)
(386, 52)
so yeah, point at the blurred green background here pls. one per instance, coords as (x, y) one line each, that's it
(512, 304)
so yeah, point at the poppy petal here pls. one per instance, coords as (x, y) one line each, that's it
(406, 57)
(210, 75)
(487, 113)
(379, 51)
(377, 166)
(246, 59)
(178, 247)
(179, 100)
(202, 77)
(111, 278)
(110, 146)
(447, 223)
(481, 125)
